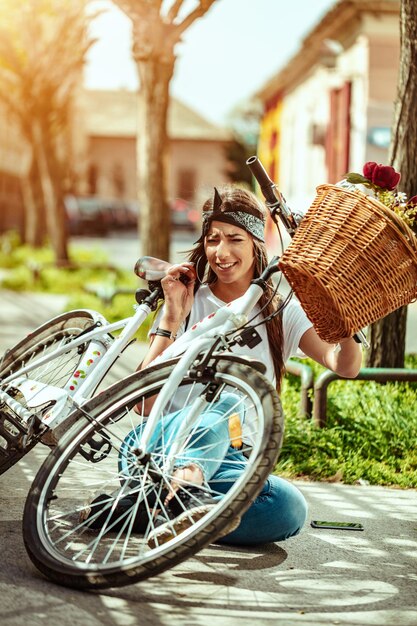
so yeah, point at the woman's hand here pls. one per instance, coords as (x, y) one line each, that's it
(178, 287)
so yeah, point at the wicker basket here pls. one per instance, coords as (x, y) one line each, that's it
(351, 262)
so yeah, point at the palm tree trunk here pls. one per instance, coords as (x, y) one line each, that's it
(54, 219)
(388, 335)
(152, 154)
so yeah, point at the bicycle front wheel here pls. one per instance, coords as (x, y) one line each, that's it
(40, 343)
(92, 507)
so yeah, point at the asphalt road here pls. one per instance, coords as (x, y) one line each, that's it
(320, 577)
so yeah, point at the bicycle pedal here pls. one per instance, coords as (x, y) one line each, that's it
(100, 446)
(49, 439)
(13, 432)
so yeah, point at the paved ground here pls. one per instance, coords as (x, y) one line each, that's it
(319, 577)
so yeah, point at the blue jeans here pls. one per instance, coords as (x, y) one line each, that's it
(278, 512)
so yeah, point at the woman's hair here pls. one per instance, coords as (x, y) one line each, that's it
(243, 198)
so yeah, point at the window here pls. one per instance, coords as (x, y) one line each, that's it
(92, 179)
(186, 184)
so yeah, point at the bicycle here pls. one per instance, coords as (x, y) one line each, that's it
(81, 539)
(58, 366)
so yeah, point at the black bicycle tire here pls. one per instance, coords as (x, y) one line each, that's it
(22, 350)
(34, 536)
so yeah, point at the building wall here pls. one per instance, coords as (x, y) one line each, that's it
(194, 167)
(113, 159)
(353, 67)
(202, 162)
(384, 58)
(305, 112)
(309, 150)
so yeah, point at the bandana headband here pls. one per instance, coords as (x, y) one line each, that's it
(250, 219)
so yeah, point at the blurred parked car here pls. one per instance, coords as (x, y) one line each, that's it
(120, 214)
(90, 215)
(184, 216)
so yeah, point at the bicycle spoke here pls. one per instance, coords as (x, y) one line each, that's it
(105, 506)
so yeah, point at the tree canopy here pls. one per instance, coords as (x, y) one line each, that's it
(43, 44)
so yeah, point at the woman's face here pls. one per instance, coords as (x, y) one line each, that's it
(230, 254)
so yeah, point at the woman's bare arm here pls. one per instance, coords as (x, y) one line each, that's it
(178, 298)
(344, 358)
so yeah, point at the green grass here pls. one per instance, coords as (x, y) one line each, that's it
(371, 428)
(370, 434)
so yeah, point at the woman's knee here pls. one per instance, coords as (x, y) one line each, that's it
(279, 512)
(294, 505)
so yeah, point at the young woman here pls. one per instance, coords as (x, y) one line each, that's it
(229, 254)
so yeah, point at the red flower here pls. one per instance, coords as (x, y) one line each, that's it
(386, 177)
(368, 168)
(383, 176)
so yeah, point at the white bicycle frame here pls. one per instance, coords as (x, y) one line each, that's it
(197, 339)
(38, 394)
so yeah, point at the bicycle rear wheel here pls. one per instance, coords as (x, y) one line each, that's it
(96, 467)
(41, 342)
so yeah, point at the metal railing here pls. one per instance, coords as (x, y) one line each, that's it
(377, 374)
(307, 383)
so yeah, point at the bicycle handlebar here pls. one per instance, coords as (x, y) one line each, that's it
(274, 199)
(265, 183)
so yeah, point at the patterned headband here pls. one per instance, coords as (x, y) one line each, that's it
(250, 219)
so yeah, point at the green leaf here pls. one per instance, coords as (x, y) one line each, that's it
(356, 179)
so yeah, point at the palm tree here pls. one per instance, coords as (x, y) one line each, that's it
(387, 336)
(43, 44)
(156, 33)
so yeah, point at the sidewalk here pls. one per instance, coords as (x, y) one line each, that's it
(320, 577)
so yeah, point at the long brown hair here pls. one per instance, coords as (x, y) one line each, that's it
(242, 197)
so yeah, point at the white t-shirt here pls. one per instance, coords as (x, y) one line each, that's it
(294, 323)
